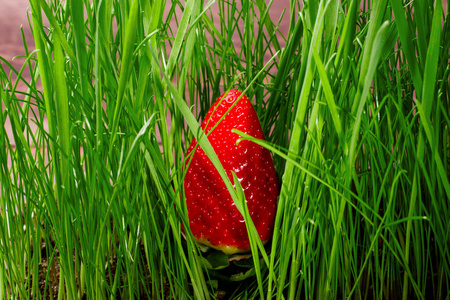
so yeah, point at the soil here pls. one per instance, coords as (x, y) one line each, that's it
(49, 274)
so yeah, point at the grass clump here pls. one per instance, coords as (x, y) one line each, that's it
(354, 101)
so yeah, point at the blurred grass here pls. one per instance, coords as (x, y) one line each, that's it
(354, 103)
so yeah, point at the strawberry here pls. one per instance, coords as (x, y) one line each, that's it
(213, 217)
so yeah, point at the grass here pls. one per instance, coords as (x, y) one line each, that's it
(354, 100)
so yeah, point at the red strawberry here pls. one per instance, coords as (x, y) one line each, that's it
(213, 217)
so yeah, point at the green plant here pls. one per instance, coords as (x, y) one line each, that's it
(354, 102)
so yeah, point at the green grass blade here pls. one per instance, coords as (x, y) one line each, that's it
(329, 97)
(57, 29)
(406, 36)
(126, 64)
(432, 58)
(77, 13)
(62, 108)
